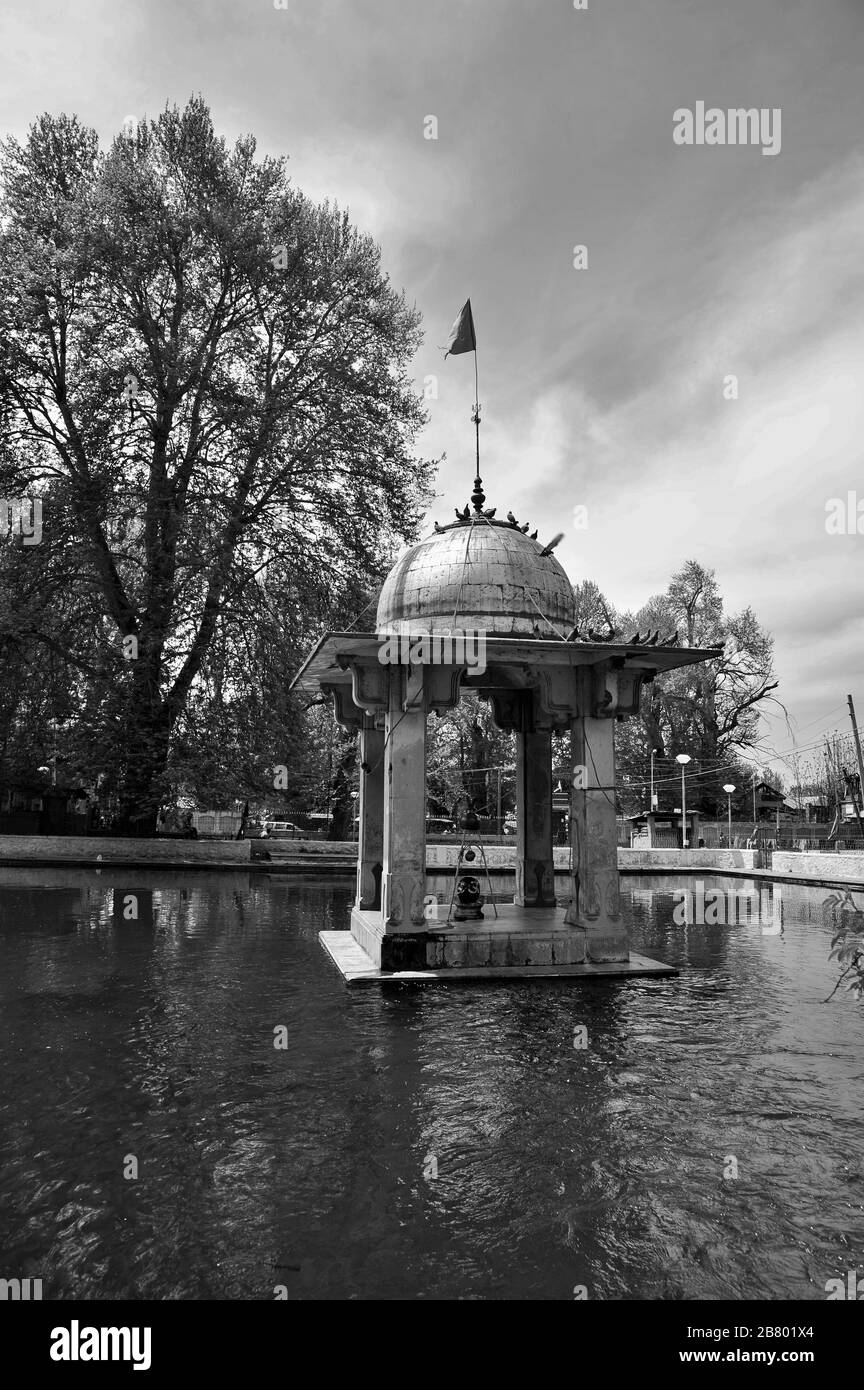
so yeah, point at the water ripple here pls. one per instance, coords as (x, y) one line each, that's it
(417, 1142)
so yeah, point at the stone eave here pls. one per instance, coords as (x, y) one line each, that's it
(327, 662)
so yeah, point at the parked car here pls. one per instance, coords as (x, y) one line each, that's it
(440, 825)
(281, 830)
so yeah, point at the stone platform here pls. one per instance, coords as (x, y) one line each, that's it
(521, 943)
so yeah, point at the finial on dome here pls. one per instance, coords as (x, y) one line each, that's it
(478, 496)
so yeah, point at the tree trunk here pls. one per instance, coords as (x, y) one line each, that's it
(147, 731)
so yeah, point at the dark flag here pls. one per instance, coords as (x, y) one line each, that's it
(462, 338)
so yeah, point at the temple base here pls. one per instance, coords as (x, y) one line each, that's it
(520, 944)
(356, 968)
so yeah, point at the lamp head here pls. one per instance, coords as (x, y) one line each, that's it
(728, 787)
(683, 758)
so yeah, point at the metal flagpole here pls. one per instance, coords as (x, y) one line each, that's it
(463, 338)
(476, 416)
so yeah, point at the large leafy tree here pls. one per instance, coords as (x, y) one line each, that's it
(593, 610)
(710, 711)
(44, 706)
(206, 376)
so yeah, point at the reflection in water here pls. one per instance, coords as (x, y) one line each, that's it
(139, 1019)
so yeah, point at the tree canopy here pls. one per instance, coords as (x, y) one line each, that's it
(710, 711)
(205, 377)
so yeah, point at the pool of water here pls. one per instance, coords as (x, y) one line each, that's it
(414, 1141)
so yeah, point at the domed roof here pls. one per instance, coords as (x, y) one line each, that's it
(477, 574)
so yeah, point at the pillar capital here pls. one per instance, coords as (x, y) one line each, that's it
(615, 692)
(348, 715)
(369, 681)
(556, 695)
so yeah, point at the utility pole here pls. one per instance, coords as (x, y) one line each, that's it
(797, 766)
(653, 801)
(858, 756)
(833, 789)
(851, 787)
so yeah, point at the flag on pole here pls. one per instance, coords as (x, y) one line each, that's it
(462, 338)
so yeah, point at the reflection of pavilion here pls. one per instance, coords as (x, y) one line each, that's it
(483, 576)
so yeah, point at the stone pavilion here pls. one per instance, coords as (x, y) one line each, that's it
(486, 577)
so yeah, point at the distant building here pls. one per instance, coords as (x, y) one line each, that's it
(813, 809)
(662, 829)
(769, 802)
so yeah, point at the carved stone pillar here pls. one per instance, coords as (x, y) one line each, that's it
(370, 846)
(404, 877)
(535, 867)
(594, 897)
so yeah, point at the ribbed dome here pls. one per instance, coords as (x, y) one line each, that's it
(483, 575)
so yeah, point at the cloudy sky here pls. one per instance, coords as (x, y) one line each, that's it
(601, 387)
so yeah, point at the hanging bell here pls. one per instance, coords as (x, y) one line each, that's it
(469, 899)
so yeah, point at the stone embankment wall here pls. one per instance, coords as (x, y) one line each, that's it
(86, 850)
(81, 849)
(840, 868)
(689, 858)
(502, 858)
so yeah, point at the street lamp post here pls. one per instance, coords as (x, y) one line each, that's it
(729, 788)
(683, 759)
(651, 805)
(498, 806)
(52, 770)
